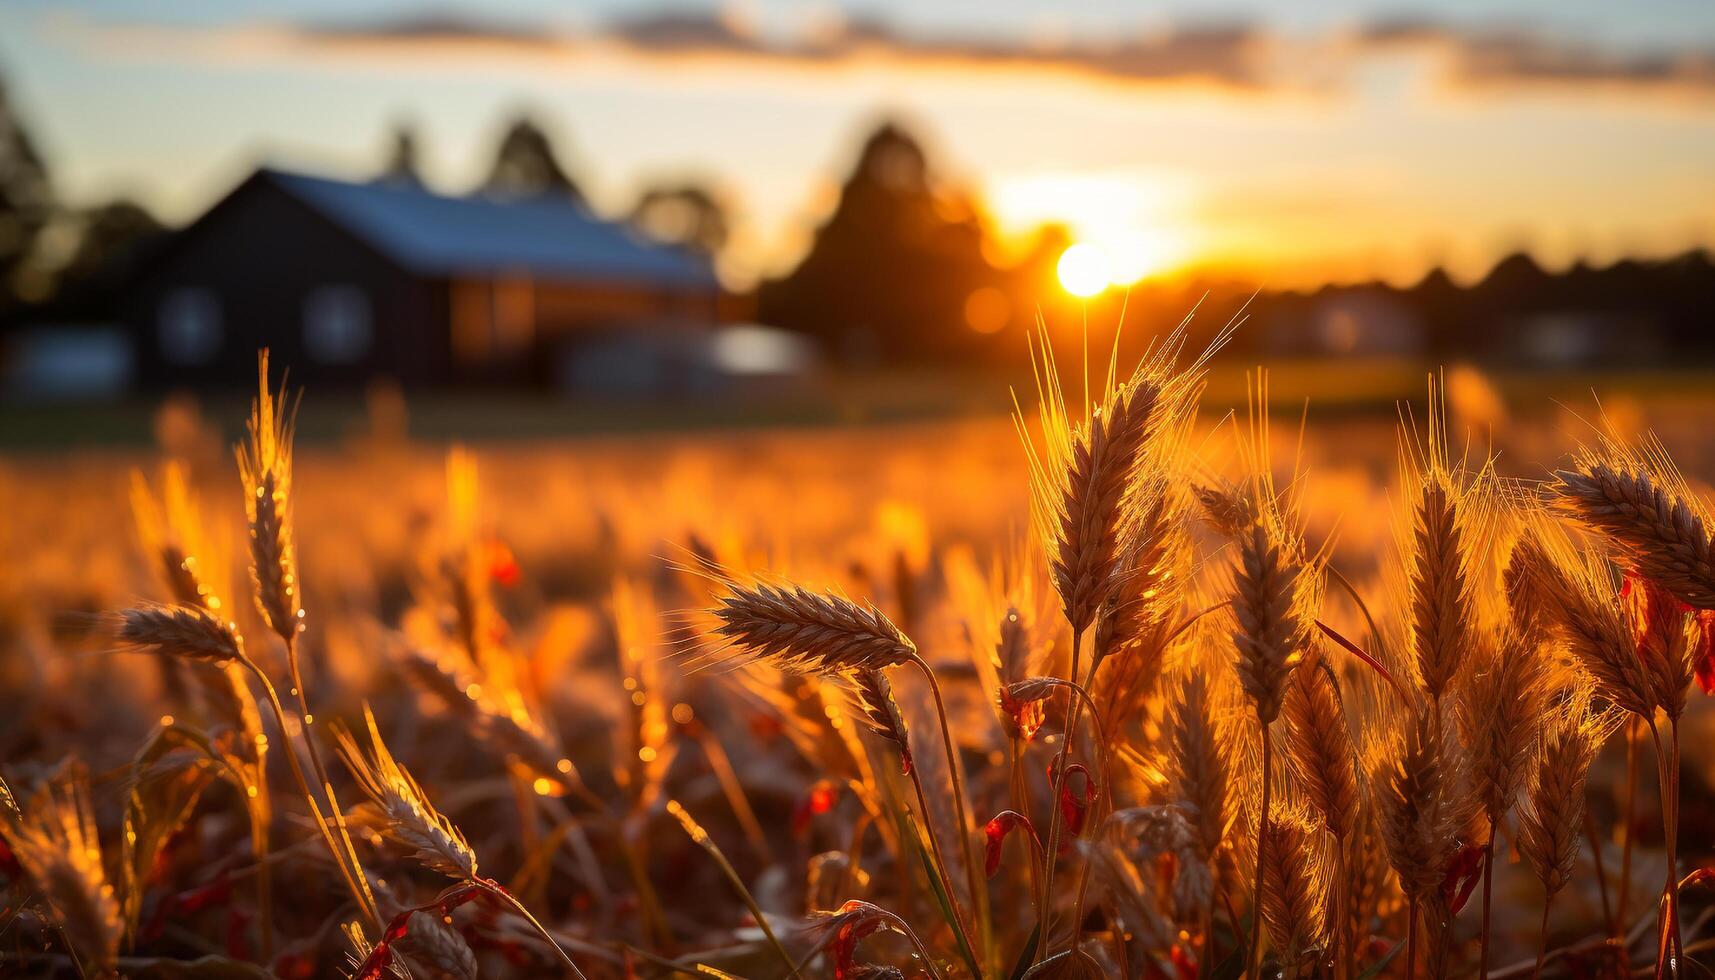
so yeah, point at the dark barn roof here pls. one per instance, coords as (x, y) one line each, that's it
(551, 237)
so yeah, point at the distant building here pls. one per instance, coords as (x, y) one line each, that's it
(348, 282)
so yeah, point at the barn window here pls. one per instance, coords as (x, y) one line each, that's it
(337, 328)
(189, 327)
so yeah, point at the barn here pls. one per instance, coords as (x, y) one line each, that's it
(349, 282)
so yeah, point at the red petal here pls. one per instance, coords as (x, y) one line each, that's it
(995, 834)
(1023, 717)
(1074, 808)
(818, 801)
(1462, 875)
(1184, 963)
(1705, 656)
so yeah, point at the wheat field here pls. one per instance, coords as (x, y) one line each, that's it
(1123, 686)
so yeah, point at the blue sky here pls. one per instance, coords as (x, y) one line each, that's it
(1292, 141)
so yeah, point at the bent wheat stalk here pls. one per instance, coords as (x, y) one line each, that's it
(795, 630)
(194, 632)
(265, 466)
(409, 819)
(701, 838)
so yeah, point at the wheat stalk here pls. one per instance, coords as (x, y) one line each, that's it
(1145, 588)
(1421, 815)
(265, 464)
(1414, 794)
(872, 695)
(437, 950)
(1270, 635)
(1099, 471)
(190, 632)
(1650, 516)
(793, 629)
(1226, 509)
(1575, 597)
(1319, 746)
(1500, 719)
(1552, 817)
(1293, 904)
(1198, 766)
(54, 841)
(408, 817)
(1666, 642)
(1440, 585)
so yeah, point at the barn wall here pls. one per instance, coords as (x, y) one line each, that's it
(261, 253)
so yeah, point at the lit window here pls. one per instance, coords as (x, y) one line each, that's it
(337, 326)
(189, 328)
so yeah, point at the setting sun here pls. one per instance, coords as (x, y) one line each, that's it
(1085, 269)
(1134, 220)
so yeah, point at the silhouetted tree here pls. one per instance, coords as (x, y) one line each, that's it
(401, 167)
(889, 273)
(682, 214)
(111, 238)
(525, 165)
(26, 201)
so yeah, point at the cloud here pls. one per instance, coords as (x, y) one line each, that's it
(1500, 57)
(1225, 55)
(1230, 56)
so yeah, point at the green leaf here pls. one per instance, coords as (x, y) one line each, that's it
(915, 833)
(1025, 955)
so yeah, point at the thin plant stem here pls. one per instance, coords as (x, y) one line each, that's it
(1021, 804)
(973, 879)
(1261, 844)
(505, 896)
(1629, 822)
(1074, 708)
(1488, 891)
(1342, 941)
(940, 863)
(1363, 607)
(1595, 839)
(339, 857)
(365, 900)
(734, 790)
(1101, 768)
(702, 839)
(1411, 940)
(1670, 808)
(1206, 955)
(646, 895)
(1542, 937)
(854, 851)
(1667, 765)
(264, 877)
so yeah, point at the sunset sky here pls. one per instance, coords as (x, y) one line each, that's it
(1364, 138)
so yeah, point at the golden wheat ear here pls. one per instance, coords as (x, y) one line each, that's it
(55, 842)
(188, 632)
(1637, 499)
(1271, 633)
(793, 629)
(265, 464)
(1579, 604)
(1319, 747)
(1294, 906)
(408, 818)
(1198, 764)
